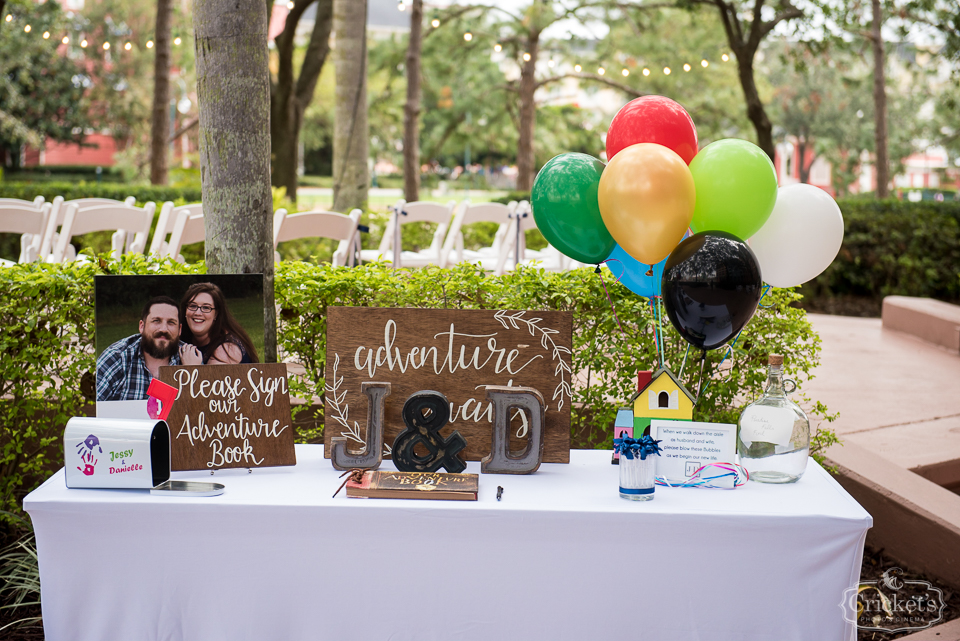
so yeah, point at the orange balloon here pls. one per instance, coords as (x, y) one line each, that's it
(646, 199)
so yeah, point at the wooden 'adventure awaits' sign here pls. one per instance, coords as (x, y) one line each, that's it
(230, 416)
(457, 353)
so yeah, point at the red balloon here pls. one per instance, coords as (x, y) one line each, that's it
(653, 119)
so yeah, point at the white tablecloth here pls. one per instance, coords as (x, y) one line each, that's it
(561, 557)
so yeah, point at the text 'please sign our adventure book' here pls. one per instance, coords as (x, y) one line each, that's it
(415, 485)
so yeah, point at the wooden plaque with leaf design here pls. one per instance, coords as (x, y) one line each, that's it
(457, 353)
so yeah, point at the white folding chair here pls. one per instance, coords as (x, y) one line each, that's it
(121, 218)
(36, 203)
(57, 214)
(548, 258)
(415, 212)
(320, 224)
(165, 222)
(467, 214)
(28, 221)
(188, 229)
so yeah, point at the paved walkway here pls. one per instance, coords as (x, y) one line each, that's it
(898, 396)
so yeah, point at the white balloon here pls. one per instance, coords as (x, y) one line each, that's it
(801, 238)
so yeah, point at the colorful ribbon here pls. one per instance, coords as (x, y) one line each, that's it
(705, 476)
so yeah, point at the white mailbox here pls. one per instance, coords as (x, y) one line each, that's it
(116, 453)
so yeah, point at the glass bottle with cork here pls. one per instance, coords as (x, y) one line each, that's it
(773, 435)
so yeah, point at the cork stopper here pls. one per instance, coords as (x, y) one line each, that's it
(776, 360)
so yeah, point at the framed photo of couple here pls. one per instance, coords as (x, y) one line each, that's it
(146, 322)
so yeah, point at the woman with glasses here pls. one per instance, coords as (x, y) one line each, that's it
(209, 334)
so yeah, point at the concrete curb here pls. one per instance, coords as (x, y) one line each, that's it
(915, 521)
(931, 320)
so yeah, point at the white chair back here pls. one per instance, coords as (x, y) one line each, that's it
(122, 218)
(28, 221)
(412, 213)
(168, 217)
(57, 214)
(189, 228)
(36, 203)
(467, 214)
(320, 224)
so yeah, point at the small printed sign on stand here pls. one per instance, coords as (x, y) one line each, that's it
(687, 446)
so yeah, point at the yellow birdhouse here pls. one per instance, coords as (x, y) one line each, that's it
(659, 395)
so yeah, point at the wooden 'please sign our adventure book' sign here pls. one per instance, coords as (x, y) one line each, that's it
(230, 416)
(457, 353)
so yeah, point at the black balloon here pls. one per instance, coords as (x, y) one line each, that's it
(711, 287)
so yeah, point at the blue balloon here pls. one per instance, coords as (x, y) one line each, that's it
(633, 273)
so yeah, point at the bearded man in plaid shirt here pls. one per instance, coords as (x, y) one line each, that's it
(125, 369)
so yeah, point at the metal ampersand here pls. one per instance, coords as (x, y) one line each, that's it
(425, 414)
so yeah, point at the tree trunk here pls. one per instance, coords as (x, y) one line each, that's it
(755, 111)
(290, 97)
(804, 166)
(233, 92)
(350, 132)
(526, 163)
(160, 116)
(411, 110)
(880, 104)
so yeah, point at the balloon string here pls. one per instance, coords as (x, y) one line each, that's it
(700, 388)
(723, 360)
(766, 288)
(663, 352)
(659, 334)
(684, 366)
(656, 332)
(610, 300)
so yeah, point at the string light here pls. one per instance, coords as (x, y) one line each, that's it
(724, 57)
(106, 46)
(290, 6)
(177, 41)
(646, 72)
(468, 36)
(83, 43)
(601, 71)
(625, 73)
(526, 57)
(66, 40)
(128, 46)
(401, 6)
(577, 68)
(498, 47)
(686, 67)
(46, 35)
(9, 17)
(149, 44)
(666, 71)
(27, 28)
(435, 23)
(704, 64)
(551, 63)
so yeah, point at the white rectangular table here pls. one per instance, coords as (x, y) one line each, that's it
(561, 557)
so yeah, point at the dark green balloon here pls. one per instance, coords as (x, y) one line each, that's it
(564, 202)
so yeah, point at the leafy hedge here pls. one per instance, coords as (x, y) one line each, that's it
(892, 247)
(117, 191)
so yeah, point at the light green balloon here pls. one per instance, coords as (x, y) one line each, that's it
(736, 188)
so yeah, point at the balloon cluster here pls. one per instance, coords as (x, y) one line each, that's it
(675, 218)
